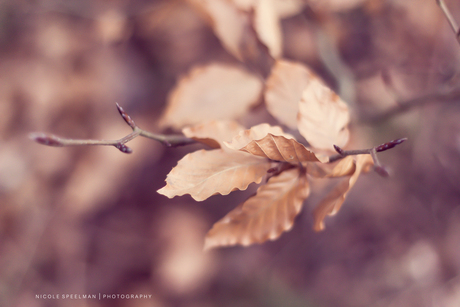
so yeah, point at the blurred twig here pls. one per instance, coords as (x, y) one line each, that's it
(167, 140)
(450, 18)
(437, 97)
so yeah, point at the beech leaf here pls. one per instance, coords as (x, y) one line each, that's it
(205, 173)
(279, 148)
(283, 90)
(227, 21)
(268, 26)
(323, 116)
(331, 204)
(214, 91)
(344, 167)
(283, 8)
(264, 216)
(255, 133)
(213, 133)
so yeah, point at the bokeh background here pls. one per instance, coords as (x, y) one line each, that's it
(88, 220)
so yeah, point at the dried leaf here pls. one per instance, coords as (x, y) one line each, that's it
(255, 133)
(227, 22)
(331, 204)
(205, 173)
(288, 8)
(214, 91)
(323, 116)
(283, 8)
(279, 148)
(284, 89)
(268, 26)
(345, 167)
(213, 133)
(264, 216)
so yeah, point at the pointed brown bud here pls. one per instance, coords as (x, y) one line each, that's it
(389, 145)
(125, 116)
(339, 150)
(46, 139)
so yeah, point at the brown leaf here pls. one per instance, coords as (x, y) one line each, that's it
(268, 27)
(288, 8)
(264, 216)
(331, 204)
(283, 8)
(279, 148)
(214, 91)
(205, 173)
(227, 21)
(284, 89)
(213, 133)
(344, 167)
(323, 116)
(255, 133)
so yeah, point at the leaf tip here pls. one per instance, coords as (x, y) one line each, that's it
(319, 226)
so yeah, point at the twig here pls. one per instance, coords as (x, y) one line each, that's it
(450, 18)
(167, 140)
(180, 140)
(401, 107)
(371, 151)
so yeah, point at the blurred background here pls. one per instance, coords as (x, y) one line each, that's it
(88, 220)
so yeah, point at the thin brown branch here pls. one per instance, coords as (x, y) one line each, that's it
(370, 151)
(450, 18)
(401, 107)
(167, 140)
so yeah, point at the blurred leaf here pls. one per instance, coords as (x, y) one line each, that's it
(331, 204)
(205, 173)
(283, 8)
(279, 148)
(214, 91)
(268, 27)
(323, 116)
(213, 133)
(228, 22)
(288, 8)
(284, 89)
(264, 216)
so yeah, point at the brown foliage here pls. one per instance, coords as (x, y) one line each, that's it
(214, 91)
(205, 173)
(264, 216)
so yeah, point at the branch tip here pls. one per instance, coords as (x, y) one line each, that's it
(123, 148)
(125, 116)
(46, 139)
(389, 145)
(339, 150)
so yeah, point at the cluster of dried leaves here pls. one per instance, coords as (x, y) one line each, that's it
(297, 98)
(207, 103)
(293, 94)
